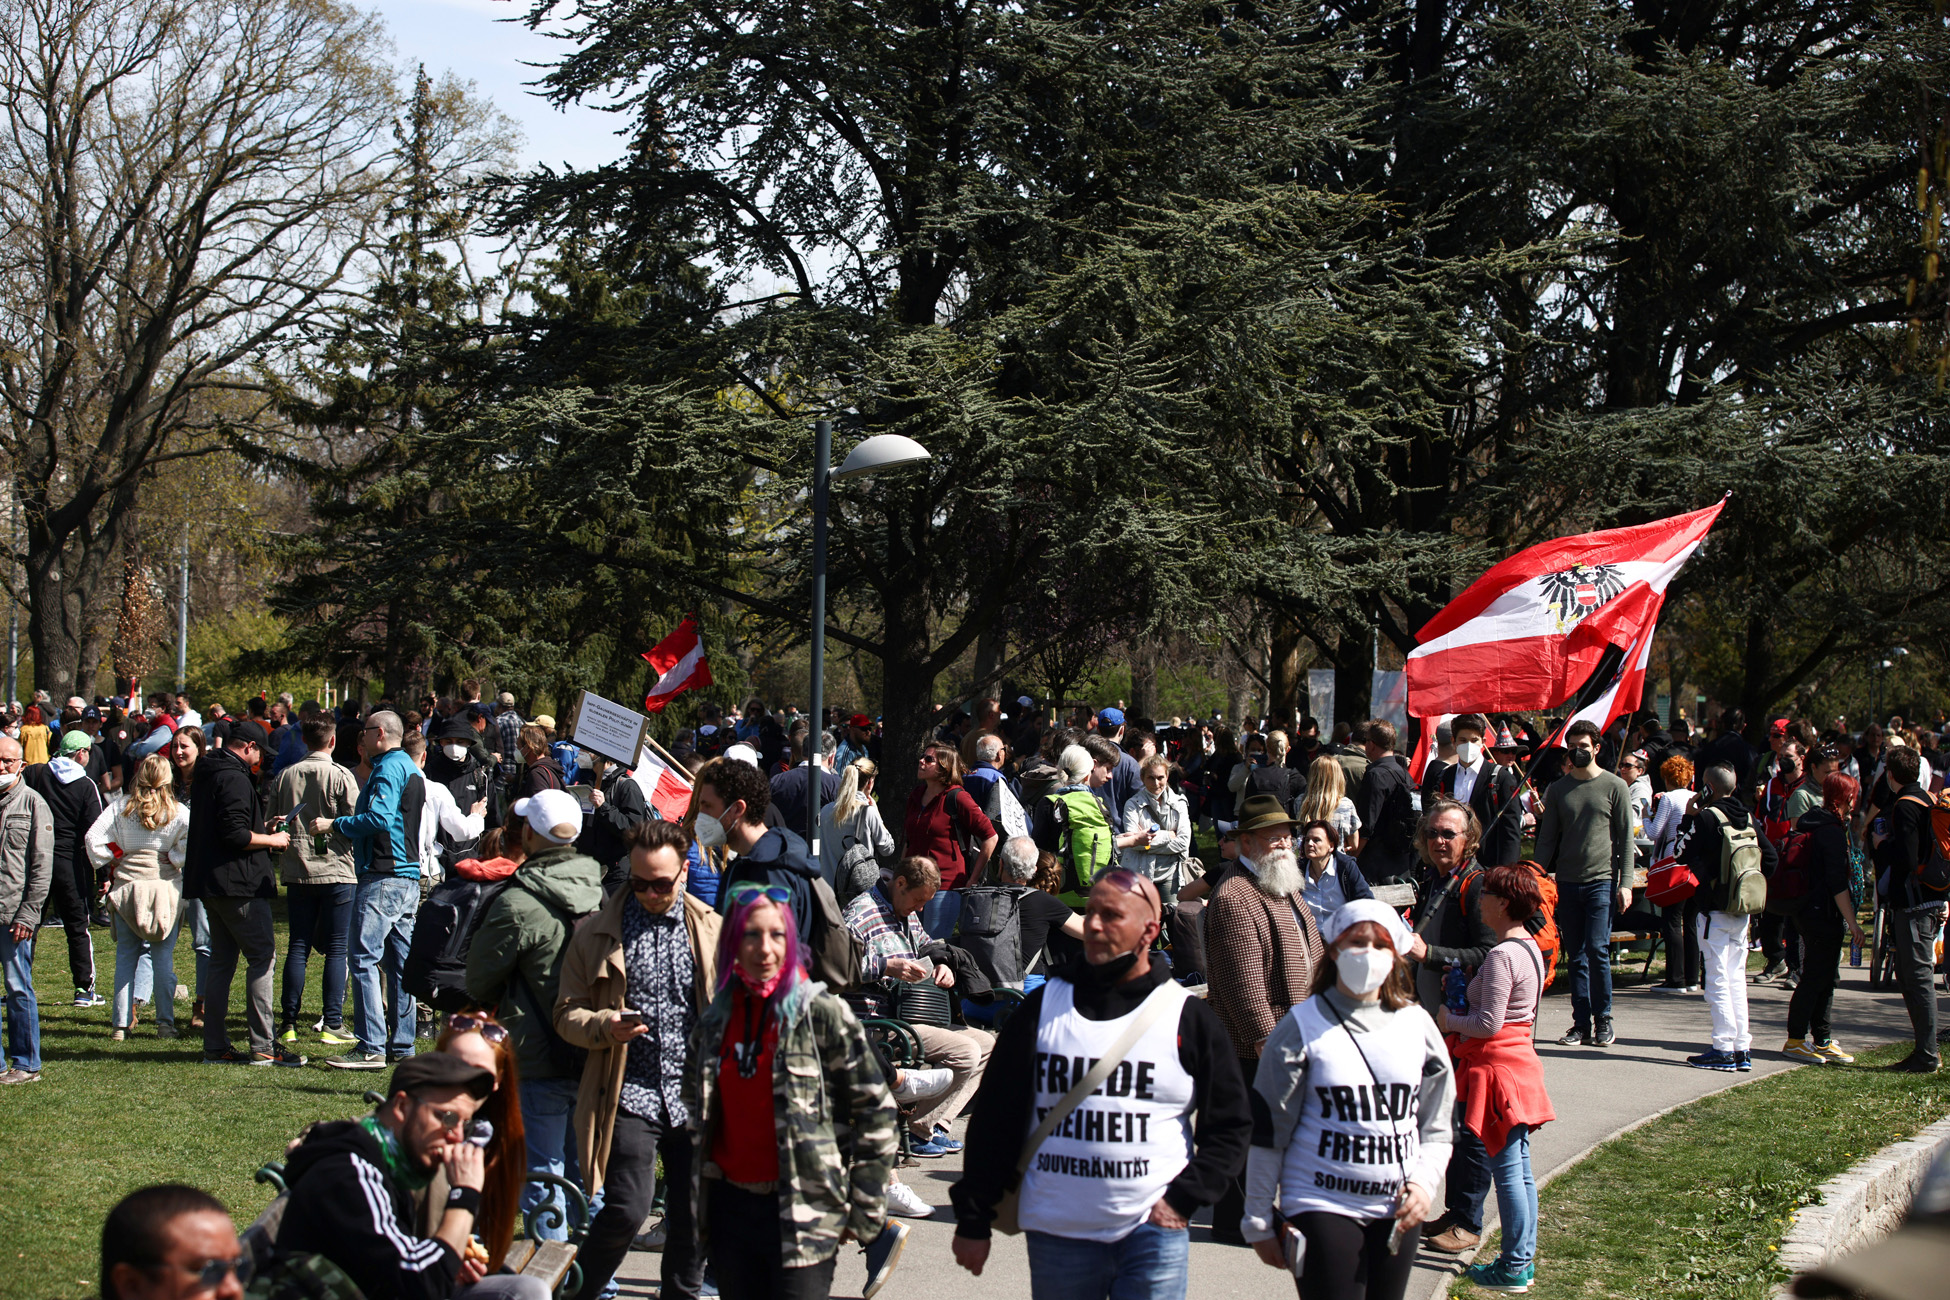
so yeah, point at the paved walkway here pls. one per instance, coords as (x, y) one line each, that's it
(1595, 1091)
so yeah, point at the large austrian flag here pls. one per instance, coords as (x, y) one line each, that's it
(679, 661)
(1530, 632)
(665, 788)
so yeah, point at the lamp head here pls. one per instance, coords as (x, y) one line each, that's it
(883, 451)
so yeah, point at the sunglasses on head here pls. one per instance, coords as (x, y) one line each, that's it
(1127, 880)
(495, 1033)
(749, 890)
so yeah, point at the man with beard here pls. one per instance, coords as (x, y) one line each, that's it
(353, 1182)
(1449, 931)
(1261, 951)
(1111, 1188)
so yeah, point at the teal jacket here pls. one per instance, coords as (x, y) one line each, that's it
(385, 825)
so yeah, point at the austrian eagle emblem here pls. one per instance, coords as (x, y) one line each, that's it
(1575, 592)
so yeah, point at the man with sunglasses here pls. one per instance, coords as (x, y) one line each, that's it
(172, 1242)
(353, 1182)
(634, 980)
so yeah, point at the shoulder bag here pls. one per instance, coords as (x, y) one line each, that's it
(1005, 1210)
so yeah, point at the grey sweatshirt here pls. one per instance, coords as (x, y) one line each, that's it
(1586, 830)
(1279, 1093)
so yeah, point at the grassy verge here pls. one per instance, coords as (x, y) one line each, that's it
(1695, 1204)
(109, 1117)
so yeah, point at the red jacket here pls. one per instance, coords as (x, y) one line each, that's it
(931, 830)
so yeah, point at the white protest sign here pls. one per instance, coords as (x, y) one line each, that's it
(613, 730)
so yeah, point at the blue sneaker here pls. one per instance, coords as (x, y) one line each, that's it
(1498, 1276)
(883, 1253)
(942, 1138)
(1726, 1062)
(1743, 1061)
(927, 1148)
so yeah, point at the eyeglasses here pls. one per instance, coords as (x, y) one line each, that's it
(749, 890)
(493, 1031)
(211, 1272)
(658, 887)
(1445, 835)
(930, 758)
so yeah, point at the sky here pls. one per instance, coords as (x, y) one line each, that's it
(471, 39)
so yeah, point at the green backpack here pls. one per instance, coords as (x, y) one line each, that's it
(1087, 846)
(1740, 866)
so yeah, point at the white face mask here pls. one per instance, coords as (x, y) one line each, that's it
(455, 752)
(1364, 970)
(1468, 751)
(710, 832)
(7, 780)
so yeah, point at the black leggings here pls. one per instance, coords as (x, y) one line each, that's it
(1821, 960)
(1348, 1259)
(746, 1256)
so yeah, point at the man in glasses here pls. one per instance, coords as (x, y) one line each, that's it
(634, 980)
(353, 1182)
(1449, 929)
(1112, 1187)
(172, 1243)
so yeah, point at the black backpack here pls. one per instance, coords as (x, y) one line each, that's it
(990, 930)
(436, 962)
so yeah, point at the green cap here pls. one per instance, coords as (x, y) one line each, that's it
(74, 738)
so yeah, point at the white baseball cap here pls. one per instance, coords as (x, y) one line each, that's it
(552, 814)
(743, 753)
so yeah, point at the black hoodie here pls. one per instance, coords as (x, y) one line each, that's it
(1702, 851)
(346, 1206)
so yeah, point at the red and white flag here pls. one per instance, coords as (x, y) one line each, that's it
(1530, 632)
(1621, 695)
(665, 788)
(679, 661)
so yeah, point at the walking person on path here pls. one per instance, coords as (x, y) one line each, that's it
(1718, 816)
(634, 981)
(1108, 1198)
(1585, 840)
(1918, 918)
(1499, 1080)
(1829, 904)
(1311, 1184)
(777, 1063)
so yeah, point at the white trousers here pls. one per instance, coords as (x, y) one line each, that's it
(1723, 958)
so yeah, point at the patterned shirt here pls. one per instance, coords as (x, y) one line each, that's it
(507, 725)
(660, 975)
(871, 917)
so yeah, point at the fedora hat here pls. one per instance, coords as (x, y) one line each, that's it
(1263, 812)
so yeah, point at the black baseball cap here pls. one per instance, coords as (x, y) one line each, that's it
(246, 732)
(440, 1070)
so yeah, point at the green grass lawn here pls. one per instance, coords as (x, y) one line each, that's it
(107, 1118)
(1695, 1204)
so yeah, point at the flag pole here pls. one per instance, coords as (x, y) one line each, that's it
(668, 758)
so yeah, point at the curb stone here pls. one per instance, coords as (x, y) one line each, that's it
(1860, 1205)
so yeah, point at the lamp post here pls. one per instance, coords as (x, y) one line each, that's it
(883, 451)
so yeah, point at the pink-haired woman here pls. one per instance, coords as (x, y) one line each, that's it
(779, 1069)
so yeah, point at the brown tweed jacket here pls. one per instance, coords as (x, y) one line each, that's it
(1260, 957)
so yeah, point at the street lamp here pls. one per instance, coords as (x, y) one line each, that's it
(883, 451)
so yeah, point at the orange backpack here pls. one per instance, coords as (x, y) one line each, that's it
(1549, 943)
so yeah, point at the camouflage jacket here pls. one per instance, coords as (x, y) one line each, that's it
(834, 1115)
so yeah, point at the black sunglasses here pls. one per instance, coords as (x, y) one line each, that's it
(659, 887)
(210, 1273)
(490, 1030)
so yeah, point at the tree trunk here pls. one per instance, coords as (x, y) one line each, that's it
(991, 648)
(1144, 680)
(68, 584)
(1353, 678)
(1288, 677)
(906, 703)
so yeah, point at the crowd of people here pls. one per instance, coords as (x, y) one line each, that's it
(1323, 1028)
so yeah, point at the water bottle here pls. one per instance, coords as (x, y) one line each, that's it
(1455, 989)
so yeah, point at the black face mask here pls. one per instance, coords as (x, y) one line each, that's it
(1096, 976)
(1581, 758)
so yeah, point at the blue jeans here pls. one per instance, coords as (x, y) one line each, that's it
(1584, 928)
(1148, 1264)
(136, 957)
(321, 918)
(23, 1012)
(548, 1118)
(382, 930)
(197, 922)
(939, 914)
(1516, 1200)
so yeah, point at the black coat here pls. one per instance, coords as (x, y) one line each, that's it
(1494, 795)
(224, 813)
(75, 805)
(604, 828)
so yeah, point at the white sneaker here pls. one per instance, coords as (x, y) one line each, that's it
(920, 1085)
(903, 1202)
(651, 1239)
